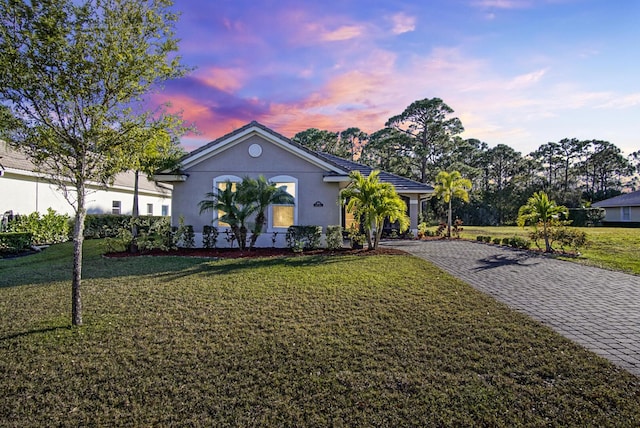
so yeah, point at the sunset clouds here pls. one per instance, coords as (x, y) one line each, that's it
(523, 78)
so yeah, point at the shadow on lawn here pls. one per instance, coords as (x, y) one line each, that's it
(31, 332)
(238, 265)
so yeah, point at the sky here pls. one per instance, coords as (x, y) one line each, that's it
(516, 72)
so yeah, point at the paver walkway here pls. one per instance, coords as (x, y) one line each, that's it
(597, 308)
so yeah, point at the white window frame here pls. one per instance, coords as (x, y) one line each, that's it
(149, 209)
(116, 207)
(164, 210)
(625, 213)
(217, 180)
(284, 179)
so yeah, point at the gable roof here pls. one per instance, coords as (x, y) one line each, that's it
(337, 169)
(624, 200)
(244, 133)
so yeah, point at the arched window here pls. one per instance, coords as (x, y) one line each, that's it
(283, 216)
(219, 183)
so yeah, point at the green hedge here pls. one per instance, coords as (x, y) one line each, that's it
(50, 228)
(581, 217)
(14, 242)
(304, 237)
(109, 225)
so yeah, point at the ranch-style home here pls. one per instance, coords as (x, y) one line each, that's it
(314, 179)
(24, 190)
(621, 210)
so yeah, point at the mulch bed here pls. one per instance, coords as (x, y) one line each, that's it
(235, 253)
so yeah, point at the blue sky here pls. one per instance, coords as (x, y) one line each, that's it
(516, 72)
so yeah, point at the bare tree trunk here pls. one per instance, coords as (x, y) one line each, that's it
(546, 237)
(135, 213)
(449, 220)
(78, 240)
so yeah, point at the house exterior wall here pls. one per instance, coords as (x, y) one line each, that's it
(616, 214)
(316, 201)
(28, 193)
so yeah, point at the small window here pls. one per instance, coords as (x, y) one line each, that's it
(115, 207)
(626, 213)
(149, 209)
(165, 210)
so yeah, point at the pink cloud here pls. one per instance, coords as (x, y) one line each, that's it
(503, 4)
(403, 23)
(345, 32)
(224, 79)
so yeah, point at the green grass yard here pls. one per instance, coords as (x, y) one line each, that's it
(298, 341)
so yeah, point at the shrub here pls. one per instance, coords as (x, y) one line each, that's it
(480, 238)
(486, 239)
(159, 236)
(422, 230)
(105, 225)
(109, 225)
(496, 241)
(121, 242)
(356, 237)
(456, 228)
(305, 237)
(14, 242)
(521, 243)
(184, 237)
(567, 237)
(442, 230)
(506, 242)
(209, 236)
(51, 228)
(586, 216)
(334, 237)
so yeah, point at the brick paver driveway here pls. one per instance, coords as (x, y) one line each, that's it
(597, 308)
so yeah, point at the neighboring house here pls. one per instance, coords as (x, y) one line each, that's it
(24, 190)
(314, 179)
(622, 209)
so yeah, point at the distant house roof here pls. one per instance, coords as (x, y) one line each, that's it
(15, 161)
(625, 200)
(337, 168)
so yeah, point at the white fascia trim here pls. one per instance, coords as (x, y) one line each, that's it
(168, 178)
(414, 192)
(336, 178)
(238, 138)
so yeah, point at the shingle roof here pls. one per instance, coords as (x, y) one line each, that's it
(625, 200)
(402, 184)
(13, 159)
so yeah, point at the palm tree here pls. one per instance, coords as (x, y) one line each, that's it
(373, 201)
(540, 209)
(449, 186)
(236, 210)
(260, 193)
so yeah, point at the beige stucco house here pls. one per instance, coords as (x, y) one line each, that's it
(622, 209)
(314, 179)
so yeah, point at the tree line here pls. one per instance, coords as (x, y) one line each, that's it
(425, 139)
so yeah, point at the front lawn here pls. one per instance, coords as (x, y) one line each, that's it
(297, 341)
